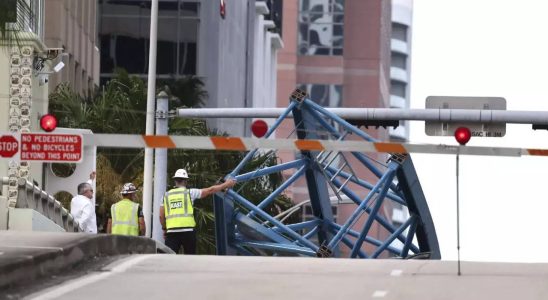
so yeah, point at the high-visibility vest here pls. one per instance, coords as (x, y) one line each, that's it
(178, 209)
(124, 217)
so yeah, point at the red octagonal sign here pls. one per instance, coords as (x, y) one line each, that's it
(8, 146)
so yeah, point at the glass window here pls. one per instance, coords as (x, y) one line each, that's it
(399, 32)
(397, 88)
(124, 35)
(326, 95)
(399, 60)
(321, 27)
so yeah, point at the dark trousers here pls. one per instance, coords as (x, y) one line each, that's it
(187, 239)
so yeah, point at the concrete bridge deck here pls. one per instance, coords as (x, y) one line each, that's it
(216, 277)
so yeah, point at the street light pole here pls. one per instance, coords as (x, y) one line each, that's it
(151, 91)
(160, 165)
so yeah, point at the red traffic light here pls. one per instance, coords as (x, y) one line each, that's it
(259, 128)
(48, 123)
(463, 135)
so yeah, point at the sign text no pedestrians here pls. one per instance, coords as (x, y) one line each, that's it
(51, 147)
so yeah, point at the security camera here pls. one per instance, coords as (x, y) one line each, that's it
(58, 67)
(43, 79)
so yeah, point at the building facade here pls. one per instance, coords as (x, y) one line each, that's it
(400, 66)
(338, 51)
(400, 78)
(72, 26)
(24, 92)
(230, 45)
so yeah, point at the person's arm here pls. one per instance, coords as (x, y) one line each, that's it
(92, 176)
(141, 221)
(142, 226)
(217, 188)
(109, 225)
(163, 218)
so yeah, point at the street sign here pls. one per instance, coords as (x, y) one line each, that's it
(433, 128)
(8, 146)
(49, 147)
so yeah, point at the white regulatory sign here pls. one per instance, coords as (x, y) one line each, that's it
(477, 129)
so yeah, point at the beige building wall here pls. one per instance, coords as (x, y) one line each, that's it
(71, 25)
(39, 96)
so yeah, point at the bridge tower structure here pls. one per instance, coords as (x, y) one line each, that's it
(245, 228)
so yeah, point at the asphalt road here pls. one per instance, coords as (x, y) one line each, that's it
(217, 277)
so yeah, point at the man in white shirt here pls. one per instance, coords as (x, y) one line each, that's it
(82, 206)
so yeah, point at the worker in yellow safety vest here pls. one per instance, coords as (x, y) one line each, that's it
(177, 211)
(126, 216)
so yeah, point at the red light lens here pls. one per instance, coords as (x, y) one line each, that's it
(48, 123)
(259, 128)
(463, 135)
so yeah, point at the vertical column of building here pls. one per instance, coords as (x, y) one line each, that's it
(400, 81)
(400, 68)
(21, 65)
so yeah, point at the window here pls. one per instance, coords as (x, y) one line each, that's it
(399, 32)
(399, 60)
(397, 88)
(321, 27)
(326, 95)
(124, 36)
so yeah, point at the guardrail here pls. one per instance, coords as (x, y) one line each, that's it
(31, 196)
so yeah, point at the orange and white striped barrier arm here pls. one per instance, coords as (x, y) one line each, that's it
(246, 144)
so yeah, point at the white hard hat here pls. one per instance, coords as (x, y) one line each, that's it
(181, 173)
(128, 188)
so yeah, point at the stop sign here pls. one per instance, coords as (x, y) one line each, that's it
(8, 146)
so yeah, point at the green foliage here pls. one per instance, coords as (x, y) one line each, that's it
(120, 107)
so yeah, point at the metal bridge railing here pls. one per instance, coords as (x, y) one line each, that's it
(31, 196)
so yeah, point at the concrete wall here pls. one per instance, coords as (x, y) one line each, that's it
(26, 219)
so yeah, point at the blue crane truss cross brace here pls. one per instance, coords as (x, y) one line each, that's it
(245, 228)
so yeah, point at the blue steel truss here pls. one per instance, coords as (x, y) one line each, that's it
(243, 228)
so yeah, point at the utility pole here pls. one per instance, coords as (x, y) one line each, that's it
(160, 166)
(151, 93)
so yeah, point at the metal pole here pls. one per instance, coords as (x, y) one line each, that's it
(458, 220)
(160, 165)
(383, 114)
(151, 91)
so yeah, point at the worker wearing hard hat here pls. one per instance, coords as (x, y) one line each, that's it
(126, 216)
(177, 212)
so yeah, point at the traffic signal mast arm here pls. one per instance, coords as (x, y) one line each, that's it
(536, 118)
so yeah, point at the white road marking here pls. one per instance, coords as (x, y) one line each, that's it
(81, 282)
(396, 273)
(379, 294)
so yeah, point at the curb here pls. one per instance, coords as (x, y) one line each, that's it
(20, 264)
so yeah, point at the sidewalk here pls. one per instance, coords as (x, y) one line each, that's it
(25, 256)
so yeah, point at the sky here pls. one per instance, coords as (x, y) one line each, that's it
(493, 48)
